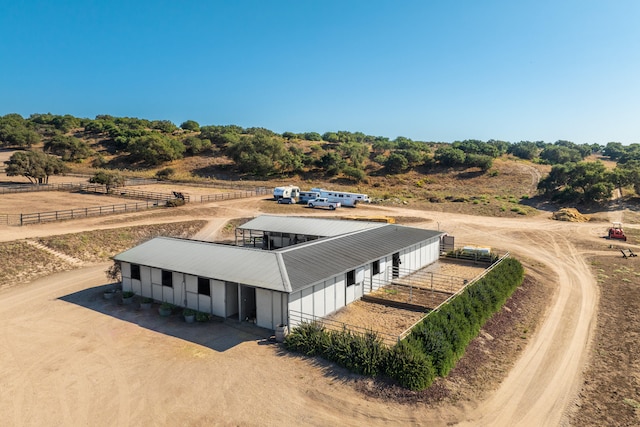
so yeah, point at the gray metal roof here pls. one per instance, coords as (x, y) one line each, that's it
(253, 267)
(315, 261)
(322, 227)
(287, 269)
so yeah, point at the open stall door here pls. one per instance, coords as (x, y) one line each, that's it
(232, 308)
(247, 303)
(395, 264)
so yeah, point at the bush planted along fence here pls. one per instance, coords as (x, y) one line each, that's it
(434, 345)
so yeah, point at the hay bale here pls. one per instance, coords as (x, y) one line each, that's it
(569, 214)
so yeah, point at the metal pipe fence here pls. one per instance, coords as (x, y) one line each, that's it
(296, 318)
(452, 296)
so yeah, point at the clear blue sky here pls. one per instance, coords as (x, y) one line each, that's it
(428, 70)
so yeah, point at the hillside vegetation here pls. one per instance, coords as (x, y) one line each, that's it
(496, 175)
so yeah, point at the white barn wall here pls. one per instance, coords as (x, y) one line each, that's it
(264, 308)
(318, 299)
(269, 308)
(179, 288)
(330, 296)
(125, 269)
(145, 282)
(217, 300)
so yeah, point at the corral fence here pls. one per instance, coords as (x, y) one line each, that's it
(154, 200)
(417, 291)
(452, 296)
(261, 191)
(297, 318)
(135, 194)
(41, 217)
(64, 186)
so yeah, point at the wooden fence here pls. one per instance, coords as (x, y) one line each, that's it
(40, 217)
(235, 195)
(134, 194)
(64, 186)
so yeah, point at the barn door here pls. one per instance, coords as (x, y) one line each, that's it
(395, 265)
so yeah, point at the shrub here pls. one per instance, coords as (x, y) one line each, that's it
(202, 317)
(434, 345)
(410, 367)
(165, 174)
(308, 338)
(174, 203)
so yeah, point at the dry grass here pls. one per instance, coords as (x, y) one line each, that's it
(100, 245)
(609, 394)
(21, 263)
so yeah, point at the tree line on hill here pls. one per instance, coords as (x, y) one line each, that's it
(261, 152)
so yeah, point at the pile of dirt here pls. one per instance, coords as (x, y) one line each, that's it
(569, 214)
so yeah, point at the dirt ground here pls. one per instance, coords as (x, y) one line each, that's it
(71, 358)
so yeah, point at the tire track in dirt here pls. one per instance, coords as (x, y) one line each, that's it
(545, 380)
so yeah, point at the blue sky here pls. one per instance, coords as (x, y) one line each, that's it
(427, 70)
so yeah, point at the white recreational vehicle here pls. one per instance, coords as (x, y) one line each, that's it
(287, 191)
(343, 197)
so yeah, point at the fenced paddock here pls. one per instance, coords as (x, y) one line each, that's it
(235, 195)
(388, 337)
(10, 188)
(396, 307)
(41, 217)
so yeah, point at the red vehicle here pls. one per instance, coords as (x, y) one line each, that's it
(616, 232)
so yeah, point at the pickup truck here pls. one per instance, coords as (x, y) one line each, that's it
(322, 202)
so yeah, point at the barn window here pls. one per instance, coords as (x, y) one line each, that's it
(167, 278)
(375, 267)
(351, 277)
(135, 271)
(204, 287)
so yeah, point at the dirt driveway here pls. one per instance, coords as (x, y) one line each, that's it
(66, 362)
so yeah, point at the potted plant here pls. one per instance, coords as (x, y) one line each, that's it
(165, 309)
(145, 303)
(189, 315)
(202, 317)
(127, 297)
(109, 293)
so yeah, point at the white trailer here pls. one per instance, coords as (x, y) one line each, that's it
(343, 197)
(305, 196)
(286, 191)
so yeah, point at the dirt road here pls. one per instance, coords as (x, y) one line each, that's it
(69, 358)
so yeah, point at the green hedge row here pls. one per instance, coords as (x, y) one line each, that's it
(432, 348)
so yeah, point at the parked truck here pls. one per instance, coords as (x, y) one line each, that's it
(323, 202)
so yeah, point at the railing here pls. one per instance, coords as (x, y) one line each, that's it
(452, 296)
(235, 195)
(134, 194)
(40, 217)
(296, 318)
(64, 186)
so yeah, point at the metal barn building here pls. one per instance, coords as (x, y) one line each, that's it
(315, 278)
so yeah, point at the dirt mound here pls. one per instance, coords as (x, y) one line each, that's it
(569, 214)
